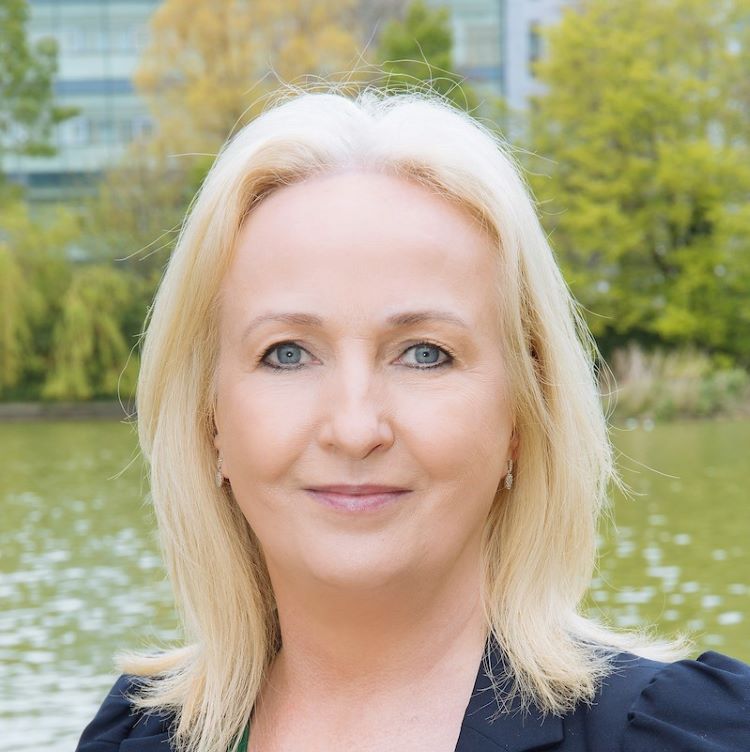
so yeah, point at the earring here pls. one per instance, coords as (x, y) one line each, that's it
(509, 476)
(219, 476)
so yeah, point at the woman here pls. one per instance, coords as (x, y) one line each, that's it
(377, 459)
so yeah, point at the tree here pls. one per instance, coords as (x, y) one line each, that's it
(66, 326)
(34, 274)
(371, 15)
(18, 302)
(136, 214)
(645, 177)
(90, 355)
(420, 48)
(27, 109)
(210, 62)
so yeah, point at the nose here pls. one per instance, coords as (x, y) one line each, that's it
(356, 414)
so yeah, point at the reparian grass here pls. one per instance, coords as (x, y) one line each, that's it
(666, 385)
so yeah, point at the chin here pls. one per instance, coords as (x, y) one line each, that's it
(355, 573)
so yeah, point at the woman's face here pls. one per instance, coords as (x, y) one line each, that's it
(399, 380)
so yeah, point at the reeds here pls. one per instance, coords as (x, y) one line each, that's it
(662, 385)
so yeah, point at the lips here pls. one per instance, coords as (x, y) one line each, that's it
(357, 490)
(364, 500)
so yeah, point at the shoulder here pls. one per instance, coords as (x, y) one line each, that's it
(693, 704)
(701, 704)
(118, 726)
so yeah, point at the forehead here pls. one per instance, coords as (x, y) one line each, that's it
(362, 240)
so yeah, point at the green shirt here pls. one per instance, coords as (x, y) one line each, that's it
(244, 740)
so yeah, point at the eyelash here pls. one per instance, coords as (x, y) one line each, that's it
(449, 361)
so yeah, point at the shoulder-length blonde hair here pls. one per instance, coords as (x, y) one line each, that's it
(539, 545)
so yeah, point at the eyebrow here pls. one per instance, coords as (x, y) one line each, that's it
(402, 319)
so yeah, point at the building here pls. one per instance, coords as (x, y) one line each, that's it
(523, 45)
(497, 41)
(99, 42)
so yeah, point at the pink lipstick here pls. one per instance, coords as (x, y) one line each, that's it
(362, 498)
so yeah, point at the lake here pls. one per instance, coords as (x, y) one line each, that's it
(81, 577)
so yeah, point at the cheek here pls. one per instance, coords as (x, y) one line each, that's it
(461, 433)
(262, 430)
(455, 431)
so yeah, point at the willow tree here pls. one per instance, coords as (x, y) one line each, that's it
(18, 301)
(34, 273)
(91, 356)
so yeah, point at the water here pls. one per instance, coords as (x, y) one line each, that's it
(679, 555)
(81, 578)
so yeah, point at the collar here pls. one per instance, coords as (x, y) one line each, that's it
(487, 728)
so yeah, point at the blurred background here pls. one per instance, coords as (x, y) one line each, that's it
(631, 120)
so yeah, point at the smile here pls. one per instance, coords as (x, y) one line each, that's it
(356, 502)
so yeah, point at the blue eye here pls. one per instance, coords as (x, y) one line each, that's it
(427, 354)
(289, 356)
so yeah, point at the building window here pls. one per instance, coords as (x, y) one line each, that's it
(142, 38)
(105, 131)
(124, 39)
(535, 45)
(74, 132)
(125, 130)
(142, 126)
(75, 40)
(482, 45)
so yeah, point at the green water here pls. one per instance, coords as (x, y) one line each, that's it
(678, 554)
(80, 575)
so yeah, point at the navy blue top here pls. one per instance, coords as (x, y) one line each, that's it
(700, 705)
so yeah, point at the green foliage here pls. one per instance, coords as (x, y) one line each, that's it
(34, 273)
(645, 180)
(89, 348)
(27, 110)
(66, 329)
(420, 48)
(16, 309)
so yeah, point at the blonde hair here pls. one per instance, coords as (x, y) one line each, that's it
(539, 547)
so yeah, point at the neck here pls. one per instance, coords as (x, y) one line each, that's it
(347, 643)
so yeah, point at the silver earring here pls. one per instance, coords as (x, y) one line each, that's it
(509, 476)
(219, 476)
